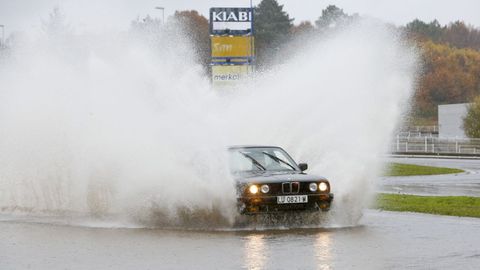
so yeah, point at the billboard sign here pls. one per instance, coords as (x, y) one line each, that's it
(232, 46)
(225, 74)
(231, 21)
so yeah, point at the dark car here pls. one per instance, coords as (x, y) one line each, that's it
(268, 180)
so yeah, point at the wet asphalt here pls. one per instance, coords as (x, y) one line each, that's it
(382, 240)
(462, 184)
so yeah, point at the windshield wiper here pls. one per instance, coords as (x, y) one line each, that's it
(254, 161)
(279, 160)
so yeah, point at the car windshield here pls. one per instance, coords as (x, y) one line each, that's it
(260, 159)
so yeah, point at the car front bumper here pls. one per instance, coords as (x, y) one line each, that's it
(268, 204)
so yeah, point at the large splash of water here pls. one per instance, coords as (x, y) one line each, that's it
(119, 125)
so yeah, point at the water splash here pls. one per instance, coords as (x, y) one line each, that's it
(119, 125)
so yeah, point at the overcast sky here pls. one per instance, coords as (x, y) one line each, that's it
(99, 15)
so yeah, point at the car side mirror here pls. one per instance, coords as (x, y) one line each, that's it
(303, 166)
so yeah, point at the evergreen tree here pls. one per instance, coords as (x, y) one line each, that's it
(56, 25)
(330, 16)
(333, 17)
(432, 30)
(272, 29)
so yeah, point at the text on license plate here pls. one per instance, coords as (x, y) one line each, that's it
(292, 199)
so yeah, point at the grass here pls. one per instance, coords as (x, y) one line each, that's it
(439, 205)
(398, 169)
(460, 206)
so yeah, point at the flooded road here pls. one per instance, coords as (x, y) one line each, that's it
(462, 184)
(383, 240)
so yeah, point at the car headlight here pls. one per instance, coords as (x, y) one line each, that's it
(264, 188)
(313, 187)
(322, 186)
(253, 189)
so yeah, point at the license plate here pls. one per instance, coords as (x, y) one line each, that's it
(292, 199)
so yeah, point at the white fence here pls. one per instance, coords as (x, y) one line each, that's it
(421, 129)
(435, 145)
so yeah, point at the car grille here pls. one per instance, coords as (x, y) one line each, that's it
(290, 187)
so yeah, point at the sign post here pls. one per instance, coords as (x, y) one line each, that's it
(232, 44)
(231, 21)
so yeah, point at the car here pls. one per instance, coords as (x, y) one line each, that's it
(269, 181)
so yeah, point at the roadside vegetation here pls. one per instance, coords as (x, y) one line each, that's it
(439, 205)
(460, 206)
(471, 122)
(450, 53)
(399, 169)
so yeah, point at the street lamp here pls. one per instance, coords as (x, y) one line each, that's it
(3, 34)
(163, 13)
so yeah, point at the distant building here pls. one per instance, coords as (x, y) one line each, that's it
(450, 120)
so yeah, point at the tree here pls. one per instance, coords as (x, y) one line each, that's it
(272, 29)
(471, 122)
(333, 17)
(420, 29)
(196, 28)
(147, 25)
(450, 75)
(456, 34)
(330, 16)
(460, 35)
(304, 28)
(185, 26)
(56, 25)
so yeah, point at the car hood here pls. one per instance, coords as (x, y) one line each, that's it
(275, 177)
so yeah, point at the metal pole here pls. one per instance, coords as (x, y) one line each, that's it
(252, 45)
(3, 34)
(398, 143)
(163, 13)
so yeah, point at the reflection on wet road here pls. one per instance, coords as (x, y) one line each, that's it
(323, 252)
(463, 184)
(256, 252)
(384, 240)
